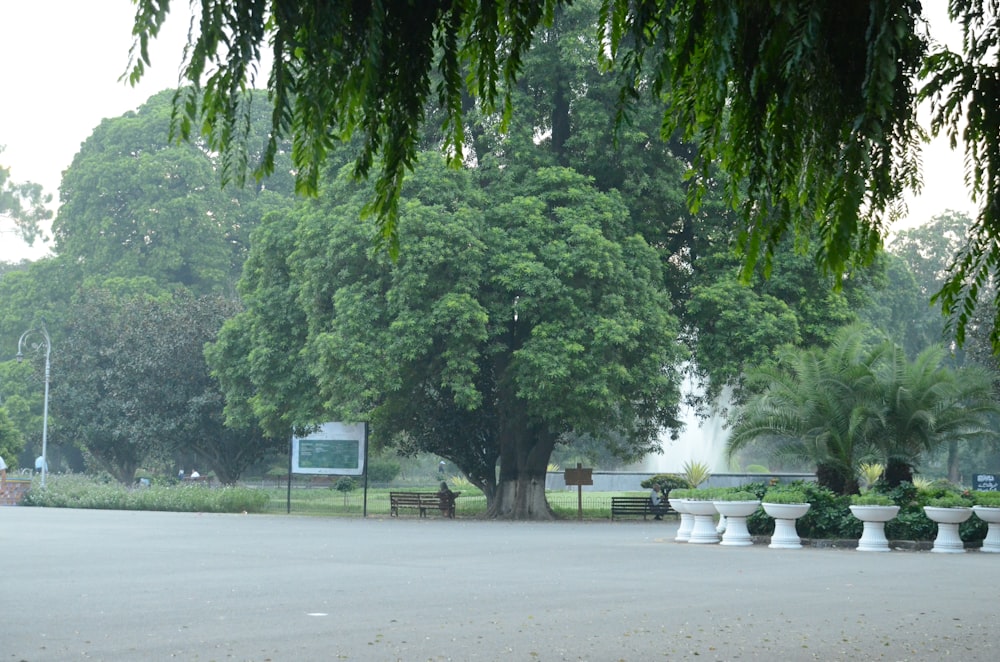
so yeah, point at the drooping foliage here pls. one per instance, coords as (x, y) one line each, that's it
(809, 106)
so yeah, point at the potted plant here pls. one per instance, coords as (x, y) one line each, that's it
(678, 501)
(736, 506)
(948, 511)
(699, 504)
(785, 505)
(987, 508)
(874, 510)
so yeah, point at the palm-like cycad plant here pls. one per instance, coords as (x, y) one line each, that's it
(815, 405)
(857, 400)
(926, 404)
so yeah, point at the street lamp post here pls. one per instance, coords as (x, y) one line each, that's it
(45, 342)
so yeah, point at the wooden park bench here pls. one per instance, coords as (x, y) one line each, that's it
(422, 502)
(622, 506)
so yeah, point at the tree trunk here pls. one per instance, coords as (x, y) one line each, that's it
(954, 475)
(524, 460)
(897, 471)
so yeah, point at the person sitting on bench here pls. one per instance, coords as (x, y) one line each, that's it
(656, 502)
(447, 500)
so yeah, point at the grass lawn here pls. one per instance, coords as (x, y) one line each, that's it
(326, 501)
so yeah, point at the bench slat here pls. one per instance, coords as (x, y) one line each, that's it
(422, 501)
(621, 506)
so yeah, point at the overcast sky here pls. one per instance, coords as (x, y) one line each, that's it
(62, 60)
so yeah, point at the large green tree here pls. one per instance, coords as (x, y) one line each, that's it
(136, 204)
(808, 106)
(133, 388)
(514, 318)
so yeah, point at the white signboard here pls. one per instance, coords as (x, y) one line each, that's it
(336, 448)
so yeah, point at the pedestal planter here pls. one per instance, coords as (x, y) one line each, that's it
(948, 541)
(992, 518)
(874, 517)
(687, 519)
(703, 532)
(736, 513)
(785, 535)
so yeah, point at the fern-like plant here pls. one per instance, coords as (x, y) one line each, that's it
(696, 473)
(870, 472)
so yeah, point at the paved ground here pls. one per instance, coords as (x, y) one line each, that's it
(105, 585)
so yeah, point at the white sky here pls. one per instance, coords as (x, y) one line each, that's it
(62, 60)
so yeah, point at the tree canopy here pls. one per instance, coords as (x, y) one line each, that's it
(519, 312)
(24, 203)
(134, 204)
(133, 389)
(808, 107)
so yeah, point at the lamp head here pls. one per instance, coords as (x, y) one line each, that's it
(20, 355)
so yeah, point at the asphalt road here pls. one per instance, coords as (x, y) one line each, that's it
(108, 585)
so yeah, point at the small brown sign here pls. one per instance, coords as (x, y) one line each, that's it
(579, 476)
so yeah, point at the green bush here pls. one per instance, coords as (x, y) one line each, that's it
(667, 483)
(784, 494)
(79, 491)
(871, 499)
(382, 471)
(735, 494)
(987, 499)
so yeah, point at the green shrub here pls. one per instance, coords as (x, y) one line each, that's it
(987, 499)
(79, 491)
(735, 494)
(871, 499)
(784, 495)
(667, 483)
(910, 524)
(949, 501)
(382, 471)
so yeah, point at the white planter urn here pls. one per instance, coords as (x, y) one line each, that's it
(992, 517)
(948, 541)
(874, 517)
(687, 519)
(703, 532)
(736, 513)
(785, 535)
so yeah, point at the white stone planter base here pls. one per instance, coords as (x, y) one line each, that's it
(873, 538)
(873, 535)
(785, 536)
(735, 514)
(684, 532)
(703, 532)
(737, 534)
(948, 540)
(991, 543)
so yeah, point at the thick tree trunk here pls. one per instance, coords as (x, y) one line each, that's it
(524, 460)
(896, 472)
(522, 499)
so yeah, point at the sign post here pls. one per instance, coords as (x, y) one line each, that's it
(333, 449)
(986, 483)
(579, 477)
